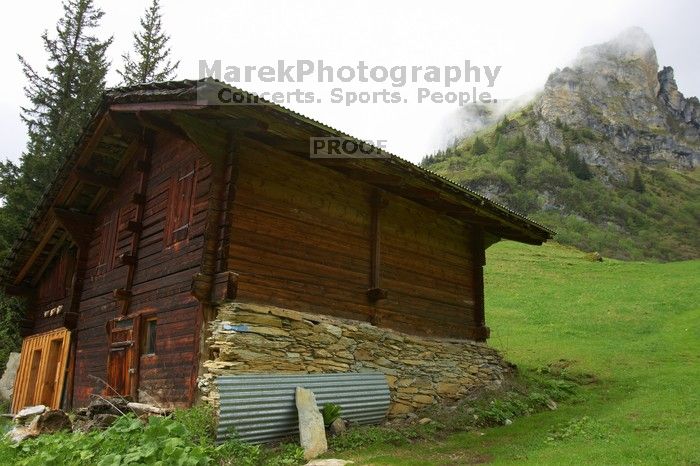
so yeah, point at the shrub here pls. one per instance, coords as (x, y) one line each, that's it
(181, 439)
(637, 183)
(199, 422)
(330, 412)
(479, 147)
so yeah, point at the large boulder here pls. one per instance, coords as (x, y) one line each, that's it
(7, 381)
(312, 432)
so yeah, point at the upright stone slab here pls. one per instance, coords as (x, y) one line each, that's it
(7, 381)
(312, 432)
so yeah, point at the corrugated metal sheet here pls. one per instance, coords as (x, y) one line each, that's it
(262, 408)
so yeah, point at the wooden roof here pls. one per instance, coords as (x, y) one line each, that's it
(114, 132)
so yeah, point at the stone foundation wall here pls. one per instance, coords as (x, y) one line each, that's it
(249, 338)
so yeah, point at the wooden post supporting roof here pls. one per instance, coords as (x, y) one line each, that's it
(375, 291)
(478, 331)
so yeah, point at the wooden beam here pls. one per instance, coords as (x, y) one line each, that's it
(70, 317)
(156, 107)
(129, 152)
(73, 220)
(138, 198)
(79, 226)
(156, 123)
(120, 294)
(125, 125)
(103, 181)
(222, 178)
(293, 146)
(478, 262)
(381, 180)
(211, 140)
(247, 124)
(225, 287)
(48, 233)
(104, 123)
(134, 147)
(127, 259)
(134, 226)
(143, 165)
(422, 194)
(375, 292)
(56, 247)
(227, 212)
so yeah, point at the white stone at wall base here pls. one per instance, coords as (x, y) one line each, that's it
(312, 432)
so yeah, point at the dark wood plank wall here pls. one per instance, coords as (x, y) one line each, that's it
(52, 291)
(426, 268)
(301, 239)
(162, 279)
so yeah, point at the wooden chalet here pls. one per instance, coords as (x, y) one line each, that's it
(169, 205)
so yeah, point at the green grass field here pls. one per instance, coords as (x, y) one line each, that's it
(634, 326)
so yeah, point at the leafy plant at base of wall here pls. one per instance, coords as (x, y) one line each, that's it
(199, 421)
(160, 440)
(330, 412)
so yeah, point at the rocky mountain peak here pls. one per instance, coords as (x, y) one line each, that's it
(605, 153)
(616, 90)
(687, 110)
(632, 44)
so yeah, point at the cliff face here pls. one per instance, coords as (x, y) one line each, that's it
(606, 154)
(616, 90)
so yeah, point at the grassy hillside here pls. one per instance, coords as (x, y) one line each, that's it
(655, 216)
(634, 326)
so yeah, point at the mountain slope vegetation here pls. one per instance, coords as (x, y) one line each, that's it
(606, 155)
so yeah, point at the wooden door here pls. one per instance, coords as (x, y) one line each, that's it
(121, 371)
(42, 369)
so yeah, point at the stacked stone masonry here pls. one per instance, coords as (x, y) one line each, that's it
(251, 338)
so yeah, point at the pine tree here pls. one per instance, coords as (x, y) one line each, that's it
(520, 168)
(576, 165)
(152, 63)
(637, 183)
(479, 147)
(60, 104)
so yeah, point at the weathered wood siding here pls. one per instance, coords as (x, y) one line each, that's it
(52, 291)
(427, 269)
(300, 238)
(166, 262)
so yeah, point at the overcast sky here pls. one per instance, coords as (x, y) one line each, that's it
(527, 39)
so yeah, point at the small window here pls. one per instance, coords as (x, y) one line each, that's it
(148, 340)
